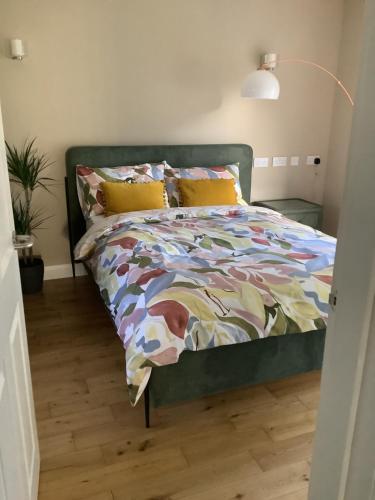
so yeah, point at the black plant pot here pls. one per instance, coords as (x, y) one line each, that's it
(32, 274)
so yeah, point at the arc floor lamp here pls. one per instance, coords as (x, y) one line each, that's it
(263, 84)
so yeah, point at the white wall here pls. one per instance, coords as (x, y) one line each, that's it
(342, 114)
(168, 71)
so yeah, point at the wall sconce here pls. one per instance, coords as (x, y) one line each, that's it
(263, 84)
(17, 50)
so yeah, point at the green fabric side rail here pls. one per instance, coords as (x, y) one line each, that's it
(210, 371)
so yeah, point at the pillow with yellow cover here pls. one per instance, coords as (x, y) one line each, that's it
(90, 194)
(122, 197)
(203, 192)
(171, 175)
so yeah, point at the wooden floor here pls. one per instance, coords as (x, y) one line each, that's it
(252, 444)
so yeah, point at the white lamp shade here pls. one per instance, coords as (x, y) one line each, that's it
(261, 84)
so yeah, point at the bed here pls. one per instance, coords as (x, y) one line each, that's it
(216, 368)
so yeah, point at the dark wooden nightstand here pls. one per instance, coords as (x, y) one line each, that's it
(305, 212)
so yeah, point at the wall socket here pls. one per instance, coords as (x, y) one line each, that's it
(282, 161)
(279, 161)
(294, 161)
(261, 162)
(311, 160)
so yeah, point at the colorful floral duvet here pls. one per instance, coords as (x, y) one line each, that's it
(197, 278)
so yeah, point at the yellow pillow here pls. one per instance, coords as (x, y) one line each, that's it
(201, 192)
(126, 197)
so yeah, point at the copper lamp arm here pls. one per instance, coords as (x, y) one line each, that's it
(310, 63)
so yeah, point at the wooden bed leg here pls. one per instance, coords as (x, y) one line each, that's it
(147, 406)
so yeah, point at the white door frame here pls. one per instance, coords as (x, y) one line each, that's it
(19, 450)
(343, 466)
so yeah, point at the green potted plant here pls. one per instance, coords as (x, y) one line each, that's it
(26, 168)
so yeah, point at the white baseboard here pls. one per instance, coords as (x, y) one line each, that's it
(63, 271)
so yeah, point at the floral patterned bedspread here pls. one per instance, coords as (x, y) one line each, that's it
(197, 278)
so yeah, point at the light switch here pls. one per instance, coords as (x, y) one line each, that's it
(260, 162)
(279, 161)
(294, 161)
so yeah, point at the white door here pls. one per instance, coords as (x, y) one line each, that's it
(19, 452)
(343, 466)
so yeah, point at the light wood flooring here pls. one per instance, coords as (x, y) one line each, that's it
(250, 444)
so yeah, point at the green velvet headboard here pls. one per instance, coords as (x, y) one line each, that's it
(204, 155)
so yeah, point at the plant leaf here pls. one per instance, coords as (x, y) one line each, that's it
(26, 166)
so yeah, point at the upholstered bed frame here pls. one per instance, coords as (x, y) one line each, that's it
(210, 371)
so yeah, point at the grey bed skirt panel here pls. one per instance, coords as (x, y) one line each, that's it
(210, 371)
